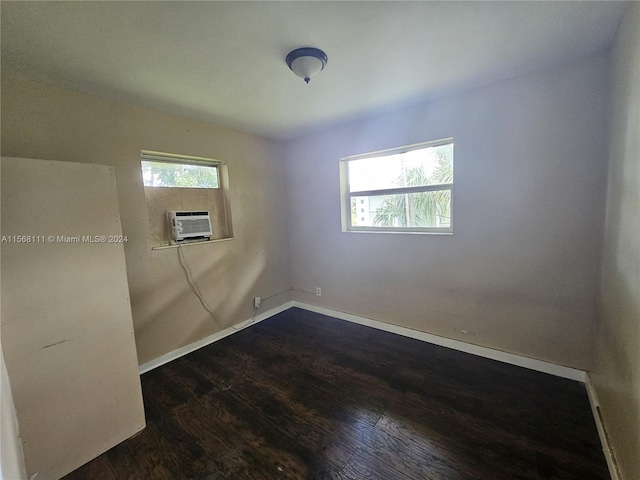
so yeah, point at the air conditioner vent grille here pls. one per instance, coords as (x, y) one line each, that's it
(196, 226)
(192, 225)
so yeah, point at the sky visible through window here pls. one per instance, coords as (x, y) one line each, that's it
(389, 171)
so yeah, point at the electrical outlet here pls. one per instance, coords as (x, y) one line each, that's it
(318, 291)
(256, 302)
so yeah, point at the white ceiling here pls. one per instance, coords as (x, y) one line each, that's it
(223, 62)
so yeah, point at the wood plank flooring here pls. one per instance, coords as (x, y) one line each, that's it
(305, 396)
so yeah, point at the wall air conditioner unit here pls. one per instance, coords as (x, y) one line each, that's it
(189, 225)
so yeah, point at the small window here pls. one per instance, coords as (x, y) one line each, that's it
(184, 183)
(406, 189)
(164, 171)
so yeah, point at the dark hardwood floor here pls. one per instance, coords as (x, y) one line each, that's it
(304, 396)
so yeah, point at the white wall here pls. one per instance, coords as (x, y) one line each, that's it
(616, 374)
(520, 270)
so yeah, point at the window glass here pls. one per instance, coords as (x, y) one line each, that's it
(408, 189)
(170, 174)
(418, 209)
(424, 166)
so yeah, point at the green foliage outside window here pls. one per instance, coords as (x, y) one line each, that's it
(164, 174)
(420, 209)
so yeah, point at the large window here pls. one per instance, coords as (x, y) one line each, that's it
(406, 189)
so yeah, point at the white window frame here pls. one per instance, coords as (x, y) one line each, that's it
(346, 194)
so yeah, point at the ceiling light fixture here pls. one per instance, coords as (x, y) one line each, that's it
(306, 62)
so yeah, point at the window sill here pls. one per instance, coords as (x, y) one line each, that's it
(217, 240)
(401, 232)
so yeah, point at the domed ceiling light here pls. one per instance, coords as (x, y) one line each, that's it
(306, 62)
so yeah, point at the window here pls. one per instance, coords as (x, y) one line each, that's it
(180, 182)
(405, 189)
(182, 172)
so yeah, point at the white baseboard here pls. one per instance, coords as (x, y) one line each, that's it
(607, 448)
(510, 358)
(168, 357)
